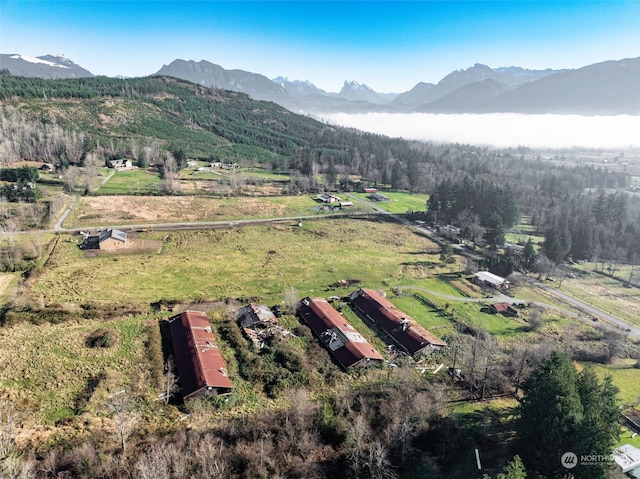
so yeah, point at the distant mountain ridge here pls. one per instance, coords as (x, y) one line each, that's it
(46, 66)
(607, 88)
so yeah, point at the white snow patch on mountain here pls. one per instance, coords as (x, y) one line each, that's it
(37, 60)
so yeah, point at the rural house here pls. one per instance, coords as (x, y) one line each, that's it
(201, 368)
(112, 240)
(402, 329)
(120, 164)
(484, 278)
(344, 342)
(328, 198)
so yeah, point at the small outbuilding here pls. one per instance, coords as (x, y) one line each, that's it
(628, 458)
(378, 197)
(328, 198)
(503, 308)
(632, 417)
(201, 368)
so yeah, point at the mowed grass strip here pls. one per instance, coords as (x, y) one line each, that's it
(129, 182)
(399, 202)
(248, 262)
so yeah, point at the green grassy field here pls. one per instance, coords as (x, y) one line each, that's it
(400, 203)
(255, 262)
(130, 182)
(48, 367)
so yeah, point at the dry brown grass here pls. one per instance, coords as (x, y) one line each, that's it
(156, 209)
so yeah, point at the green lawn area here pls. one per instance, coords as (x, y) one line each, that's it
(521, 239)
(627, 378)
(427, 316)
(130, 182)
(400, 202)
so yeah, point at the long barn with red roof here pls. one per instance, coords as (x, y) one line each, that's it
(347, 346)
(201, 368)
(400, 327)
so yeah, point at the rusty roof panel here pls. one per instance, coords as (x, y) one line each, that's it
(401, 327)
(198, 358)
(345, 343)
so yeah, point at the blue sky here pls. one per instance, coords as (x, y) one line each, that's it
(390, 46)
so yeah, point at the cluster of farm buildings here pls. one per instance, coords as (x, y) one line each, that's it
(201, 367)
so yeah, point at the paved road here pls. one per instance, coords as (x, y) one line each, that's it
(626, 327)
(58, 225)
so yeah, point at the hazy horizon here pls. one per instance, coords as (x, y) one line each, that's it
(501, 130)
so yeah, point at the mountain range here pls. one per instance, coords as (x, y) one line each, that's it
(607, 88)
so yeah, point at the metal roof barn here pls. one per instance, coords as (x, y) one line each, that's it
(400, 327)
(200, 365)
(344, 342)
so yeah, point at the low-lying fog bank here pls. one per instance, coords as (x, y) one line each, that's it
(501, 129)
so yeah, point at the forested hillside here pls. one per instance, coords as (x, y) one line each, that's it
(82, 122)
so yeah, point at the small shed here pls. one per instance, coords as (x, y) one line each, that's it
(632, 417)
(112, 240)
(503, 308)
(378, 197)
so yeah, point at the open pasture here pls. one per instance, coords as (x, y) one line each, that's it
(249, 262)
(93, 211)
(50, 369)
(604, 292)
(399, 202)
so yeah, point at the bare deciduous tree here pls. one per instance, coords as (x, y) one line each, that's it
(170, 380)
(10, 419)
(125, 416)
(291, 297)
(154, 464)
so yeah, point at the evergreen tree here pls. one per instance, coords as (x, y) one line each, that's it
(529, 255)
(550, 413)
(495, 235)
(563, 411)
(599, 428)
(514, 469)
